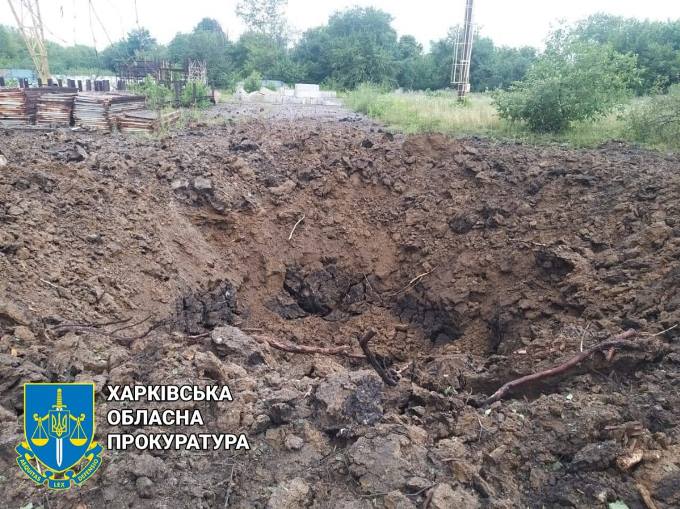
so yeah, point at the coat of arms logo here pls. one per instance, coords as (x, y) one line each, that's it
(59, 447)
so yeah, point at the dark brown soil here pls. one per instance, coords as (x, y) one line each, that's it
(476, 262)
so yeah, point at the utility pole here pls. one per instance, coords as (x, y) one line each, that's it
(460, 74)
(31, 29)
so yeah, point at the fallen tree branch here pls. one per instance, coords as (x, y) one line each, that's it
(131, 325)
(96, 329)
(93, 324)
(343, 351)
(606, 346)
(388, 378)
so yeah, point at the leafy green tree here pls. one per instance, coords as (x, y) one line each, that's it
(256, 51)
(63, 59)
(510, 65)
(72, 59)
(138, 45)
(263, 49)
(441, 54)
(656, 44)
(410, 56)
(207, 42)
(312, 55)
(211, 25)
(408, 47)
(13, 52)
(492, 67)
(425, 70)
(572, 81)
(265, 17)
(358, 45)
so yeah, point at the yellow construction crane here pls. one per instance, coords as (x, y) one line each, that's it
(29, 21)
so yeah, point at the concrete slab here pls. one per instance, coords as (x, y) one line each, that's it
(306, 90)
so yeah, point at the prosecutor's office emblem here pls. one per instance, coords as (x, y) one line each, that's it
(59, 447)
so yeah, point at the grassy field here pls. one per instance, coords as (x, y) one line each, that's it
(440, 111)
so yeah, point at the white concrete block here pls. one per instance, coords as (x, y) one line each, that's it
(307, 90)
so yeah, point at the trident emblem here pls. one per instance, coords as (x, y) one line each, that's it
(59, 425)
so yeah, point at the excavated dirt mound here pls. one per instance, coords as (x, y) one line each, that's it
(476, 262)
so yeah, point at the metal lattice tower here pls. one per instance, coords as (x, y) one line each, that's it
(27, 15)
(197, 70)
(460, 73)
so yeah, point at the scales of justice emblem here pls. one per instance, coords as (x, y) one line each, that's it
(59, 446)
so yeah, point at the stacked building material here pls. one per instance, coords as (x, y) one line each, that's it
(90, 111)
(33, 95)
(13, 110)
(98, 111)
(19, 106)
(145, 121)
(55, 109)
(123, 103)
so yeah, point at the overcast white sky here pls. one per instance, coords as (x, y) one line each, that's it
(509, 22)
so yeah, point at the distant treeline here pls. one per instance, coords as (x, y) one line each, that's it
(357, 45)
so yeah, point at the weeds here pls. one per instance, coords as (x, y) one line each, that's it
(419, 112)
(156, 94)
(656, 119)
(441, 112)
(195, 94)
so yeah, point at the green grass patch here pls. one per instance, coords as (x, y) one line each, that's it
(426, 112)
(442, 112)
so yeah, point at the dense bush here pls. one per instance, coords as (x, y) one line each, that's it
(572, 81)
(253, 82)
(656, 120)
(195, 94)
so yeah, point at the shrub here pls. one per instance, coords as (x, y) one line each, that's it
(253, 82)
(226, 81)
(571, 81)
(656, 120)
(156, 94)
(198, 99)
